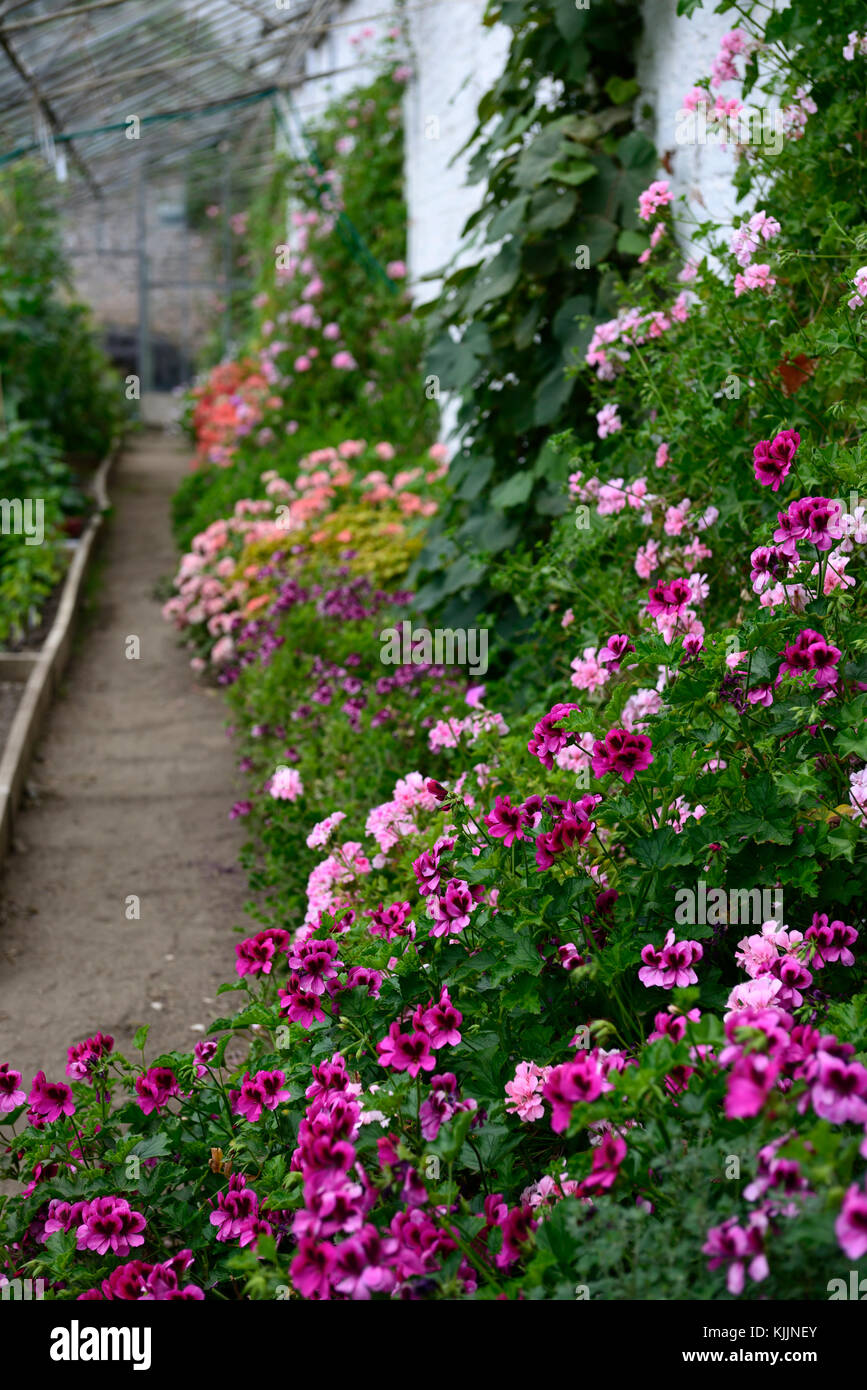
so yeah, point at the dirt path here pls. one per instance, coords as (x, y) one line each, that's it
(133, 787)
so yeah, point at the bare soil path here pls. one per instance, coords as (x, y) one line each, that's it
(132, 790)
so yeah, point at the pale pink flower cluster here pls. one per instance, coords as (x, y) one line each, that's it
(639, 708)
(448, 733)
(746, 239)
(608, 421)
(325, 881)
(756, 277)
(860, 283)
(657, 196)
(587, 674)
(286, 784)
(322, 831)
(858, 795)
(609, 347)
(723, 68)
(525, 1092)
(857, 44)
(395, 819)
(795, 115)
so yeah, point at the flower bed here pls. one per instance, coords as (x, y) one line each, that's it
(564, 967)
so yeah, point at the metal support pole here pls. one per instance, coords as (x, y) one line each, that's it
(145, 363)
(227, 252)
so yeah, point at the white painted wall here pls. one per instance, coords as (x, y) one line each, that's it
(673, 54)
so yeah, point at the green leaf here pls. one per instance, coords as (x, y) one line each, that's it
(632, 243)
(514, 491)
(663, 849)
(141, 1037)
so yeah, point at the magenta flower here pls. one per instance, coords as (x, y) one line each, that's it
(257, 954)
(851, 1224)
(570, 1083)
(441, 1022)
(667, 598)
(750, 1082)
(48, 1100)
(451, 911)
(741, 1249)
(773, 458)
(363, 1264)
(264, 1091)
(108, 1224)
(11, 1094)
(315, 962)
(156, 1088)
(81, 1056)
(236, 1208)
(621, 752)
(388, 922)
(506, 822)
(548, 739)
(409, 1052)
(298, 1005)
(832, 941)
(312, 1268)
(839, 1092)
(140, 1282)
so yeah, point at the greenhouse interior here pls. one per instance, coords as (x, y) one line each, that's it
(433, 663)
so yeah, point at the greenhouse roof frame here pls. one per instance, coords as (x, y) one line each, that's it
(74, 74)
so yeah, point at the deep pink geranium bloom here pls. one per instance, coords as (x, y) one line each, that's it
(48, 1100)
(11, 1093)
(851, 1224)
(832, 941)
(364, 1264)
(621, 752)
(313, 1267)
(236, 1208)
(839, 1092)
(406, 1052)
(301, 1006)
(81, 1056)
(668, 598)
(156, 1088)
(442, 1021)
(506, 822)
(773, 458)
(109, 1224)
(257, 954)
(570, 1083)
(264, 1091)
(750, 1081)
(548, 740)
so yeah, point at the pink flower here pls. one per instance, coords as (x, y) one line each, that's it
(396, 270)
(774, 458)
(587, 673)
(608, 421)
(11, 1094)
(657, 196)
(48, 1100)
(108, 1224)
(525, 1093)
(264, 1091)
(851, 1224)
(410, 1052)
(286, 784)
(623, 753)
(156, 1088)
(740, 1249)
(757, 277)
(344, 361)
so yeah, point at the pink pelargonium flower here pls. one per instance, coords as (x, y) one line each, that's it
(851, 1224)
(109, 1224)
(264, 1091)
(11, 1093)
(48, 1100)
(773, 458)
(525, 1091)
(623, 753)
